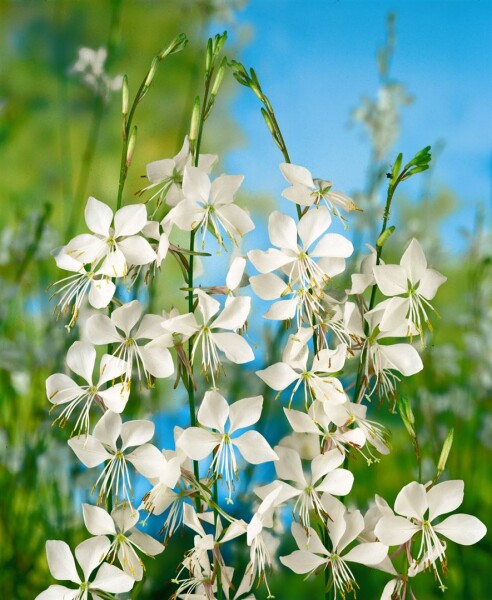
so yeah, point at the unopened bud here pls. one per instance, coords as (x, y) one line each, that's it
(383, 238)
(209, 55)
(219, 77)
(176, 45)
(407, 415)
(153, 68)
(446, 449)
(131, 146)
(195, 119)
(124, 96)
(268, 121)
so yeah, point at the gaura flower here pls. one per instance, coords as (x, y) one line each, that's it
(118, 246)
(317, 381)
(127, 539)
(72, 289)
(166, 175)
(208, 335)
(307, 191)
(90, 554)
(214, 412)
(307, 488)
(419, 507)
(210, 205)
(126, 328)
(343, 528)
(102, 446)
(63, 390)
(308, 269)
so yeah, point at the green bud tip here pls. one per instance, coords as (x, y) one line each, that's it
(446, 449)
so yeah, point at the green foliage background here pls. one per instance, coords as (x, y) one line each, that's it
(58, 144)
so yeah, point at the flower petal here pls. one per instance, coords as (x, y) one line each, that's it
(60, 389)
(289, 466)
(462, 529)
(61, 562)
(301, 561)
(254, 448)
(430, 281)
(81, 357)
(391, 279)
(333, 245)
(147, 459)
(414, 261)
(369, 553)
(111, 579)
(58, 592)
(234, 347)
(98, 216)
(224, 188)
(301, 422)
(278, 376)
(412, 501)
(137, 250)
(445, 497)
(244, 413)
(213, 411)
(234, 314)
(89, 450)
(207, 305)
(108, 429)
(127, 316)
(90, 553)
(101, 292)
(393, 531)
(197, 443)
(268, 286)
(295, 174)
(136, 433)
(282, 231)
(196, 185)
(130, 220)
(157, 360)
(270, 260)
(97, 520)
(314, 223)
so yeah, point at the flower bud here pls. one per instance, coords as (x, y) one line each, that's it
(446, 449)
(195, 119)
(153, 68)
(124, 96)
(179, 42)
(219, 77)
(131, 146)
(407, 416)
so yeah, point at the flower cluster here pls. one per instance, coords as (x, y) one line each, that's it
(342, 347)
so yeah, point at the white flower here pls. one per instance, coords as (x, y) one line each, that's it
(260, 556)
(151, 359)
(210, 205)
(317, 422)
(127, 539)
(167, 175)
(208, 336)
(90, 64)
(73, 288)
(318, 384)
(420, 507)
(120, 247)
(343, 528)
(307, 268)
(198, 442)
(411, 285)
(324, 477)
(383, 360)
(307, 191)
(102, 446)
(344, 415)
(361, 281)
(63, 390)
(90, 554)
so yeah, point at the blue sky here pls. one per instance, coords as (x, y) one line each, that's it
(315, 60)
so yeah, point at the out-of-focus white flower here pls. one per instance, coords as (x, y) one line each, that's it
(127, 539)
(90, 65)
(198, 442)
(414, 502)
(118, 247)
(63, 390)
(151, 359)
(210, 205)
(90, 554)
(102, 446)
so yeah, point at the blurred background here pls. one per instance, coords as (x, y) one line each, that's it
(353, 84)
